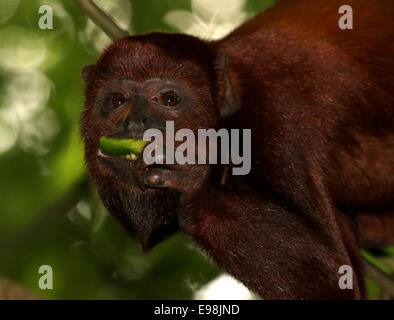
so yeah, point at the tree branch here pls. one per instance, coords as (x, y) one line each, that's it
(379, 277)
(102, 19)
(12, 291)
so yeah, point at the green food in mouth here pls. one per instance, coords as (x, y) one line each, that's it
(129, 148)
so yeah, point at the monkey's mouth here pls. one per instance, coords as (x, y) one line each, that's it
(129, 157)
(128, 149)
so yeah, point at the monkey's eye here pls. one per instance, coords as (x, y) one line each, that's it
(168, 98)
(117, 100)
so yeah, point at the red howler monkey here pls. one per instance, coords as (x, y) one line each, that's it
(320, 103)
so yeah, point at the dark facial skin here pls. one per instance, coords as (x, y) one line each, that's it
(132, 107)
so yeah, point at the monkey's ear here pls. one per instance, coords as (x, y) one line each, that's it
(87, 71)
(229, 100)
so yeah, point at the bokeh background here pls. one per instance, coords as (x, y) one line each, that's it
(49, 214)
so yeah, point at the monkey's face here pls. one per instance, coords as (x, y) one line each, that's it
(126, 108)
(140, 83)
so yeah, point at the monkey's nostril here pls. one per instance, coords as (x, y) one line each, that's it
(145, 122)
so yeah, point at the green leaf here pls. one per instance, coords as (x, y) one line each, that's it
(121, 147)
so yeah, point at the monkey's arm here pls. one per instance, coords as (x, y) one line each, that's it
(278, 250)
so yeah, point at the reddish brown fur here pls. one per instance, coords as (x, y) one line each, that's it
(320, 103)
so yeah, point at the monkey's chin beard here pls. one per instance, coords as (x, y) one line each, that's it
(148, 214)
(122, 170)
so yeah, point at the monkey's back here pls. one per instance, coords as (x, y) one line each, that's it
(322, 92)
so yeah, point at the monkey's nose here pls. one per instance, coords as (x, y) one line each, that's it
(134, 122)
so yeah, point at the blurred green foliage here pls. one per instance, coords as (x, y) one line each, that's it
(48, 212)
